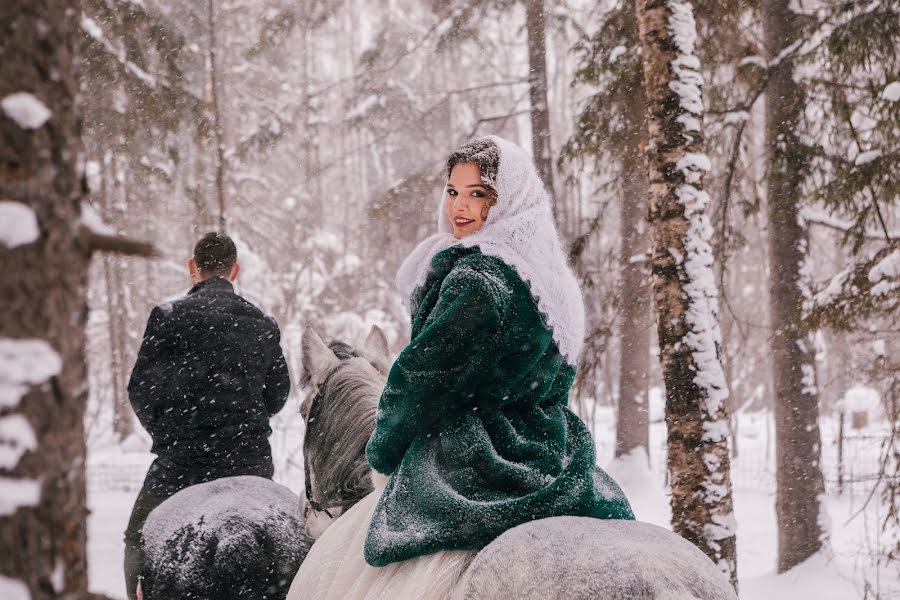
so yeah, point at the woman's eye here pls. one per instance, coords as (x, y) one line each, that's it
(451, 192)
(477, 194)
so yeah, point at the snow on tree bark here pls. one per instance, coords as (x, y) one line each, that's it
(42, 540)
(798, 475)
(684, 285)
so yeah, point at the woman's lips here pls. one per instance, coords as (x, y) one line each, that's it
(461, 222)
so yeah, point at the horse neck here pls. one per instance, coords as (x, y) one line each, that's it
(340, 422)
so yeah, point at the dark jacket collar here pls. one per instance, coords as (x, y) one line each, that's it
(213, 283)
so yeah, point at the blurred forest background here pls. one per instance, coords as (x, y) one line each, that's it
(315, 132)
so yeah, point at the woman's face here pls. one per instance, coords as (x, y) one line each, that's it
(467, 201)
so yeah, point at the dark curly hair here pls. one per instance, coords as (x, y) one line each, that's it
(484, 153)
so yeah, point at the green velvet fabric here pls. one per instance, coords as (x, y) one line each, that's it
(472, 425)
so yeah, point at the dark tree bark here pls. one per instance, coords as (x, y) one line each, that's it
(684, 284)
(798, 475)
(537, 78)
(632, 420)
(42, 535)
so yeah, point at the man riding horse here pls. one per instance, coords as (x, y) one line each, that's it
(209, 374)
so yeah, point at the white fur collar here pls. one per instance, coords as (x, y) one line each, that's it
(519, 231)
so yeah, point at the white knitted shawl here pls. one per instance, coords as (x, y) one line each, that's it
(519, 231)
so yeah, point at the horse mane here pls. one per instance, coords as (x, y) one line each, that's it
(341, 419)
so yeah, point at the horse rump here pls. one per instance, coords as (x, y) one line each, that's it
(580, 558)
(235, 538)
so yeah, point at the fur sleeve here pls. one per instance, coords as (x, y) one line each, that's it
(443, 367)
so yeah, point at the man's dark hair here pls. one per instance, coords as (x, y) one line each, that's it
(215, 254)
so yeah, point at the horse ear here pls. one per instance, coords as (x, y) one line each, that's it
(375, 349)
(376, 342)
(318, 359)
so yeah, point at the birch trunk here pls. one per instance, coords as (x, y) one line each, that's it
(798, 475)
(684, 284)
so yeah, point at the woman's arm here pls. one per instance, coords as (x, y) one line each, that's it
(443, 367)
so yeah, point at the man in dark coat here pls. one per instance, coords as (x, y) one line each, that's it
(209, 374)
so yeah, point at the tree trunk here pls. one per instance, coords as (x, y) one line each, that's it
(798, 475)
(122, 413)
(632, 425)
(43, 373)
(684, 284)
(537, 81)
(215, 113)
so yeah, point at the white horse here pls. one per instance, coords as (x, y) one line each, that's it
(592, 558)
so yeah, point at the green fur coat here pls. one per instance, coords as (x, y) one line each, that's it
(472, 425)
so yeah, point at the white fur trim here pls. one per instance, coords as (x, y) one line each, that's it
(521, 232)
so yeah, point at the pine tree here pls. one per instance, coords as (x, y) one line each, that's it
(848, 65)
(799, 477)
(610, 130)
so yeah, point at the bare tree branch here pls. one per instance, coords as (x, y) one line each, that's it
(117, 244)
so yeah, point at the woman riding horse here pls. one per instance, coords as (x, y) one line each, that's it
(472, 430)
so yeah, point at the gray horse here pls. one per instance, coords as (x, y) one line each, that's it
(593, 559)
(231, 538)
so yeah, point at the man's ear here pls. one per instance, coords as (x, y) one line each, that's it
(235, 270)
(193, 271)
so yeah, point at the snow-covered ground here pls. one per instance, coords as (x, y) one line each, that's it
(843, 572)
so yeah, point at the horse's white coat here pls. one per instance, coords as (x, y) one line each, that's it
(578, 558)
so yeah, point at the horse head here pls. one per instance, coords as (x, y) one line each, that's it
(344, 385)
